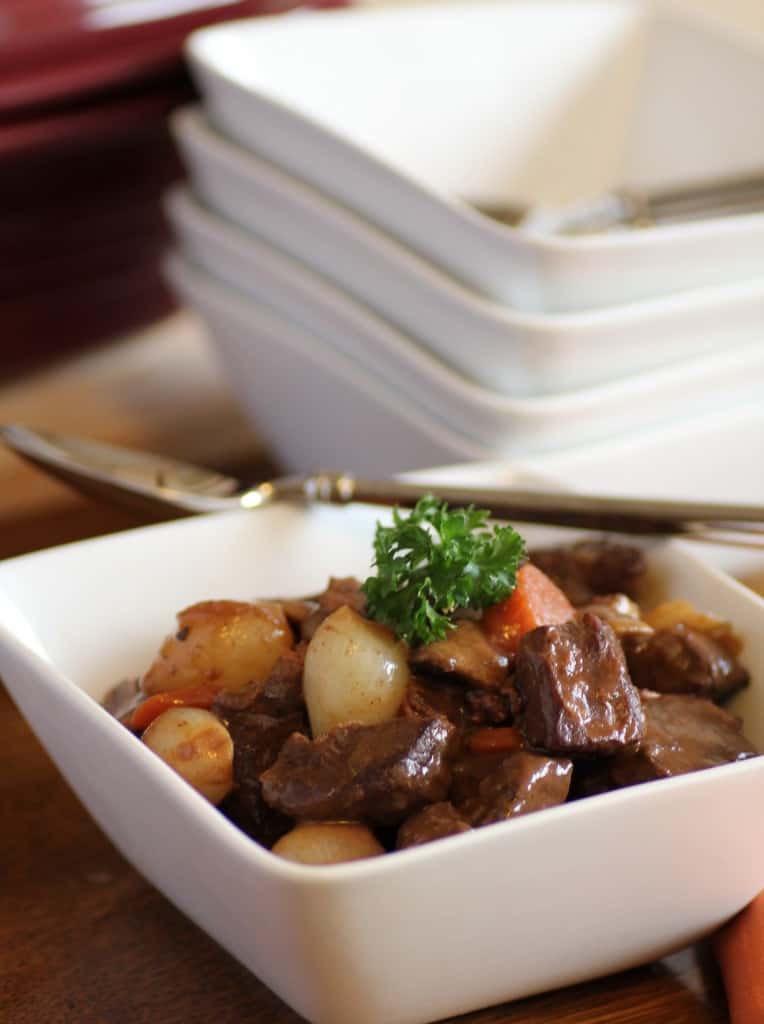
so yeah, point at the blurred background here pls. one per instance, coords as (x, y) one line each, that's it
(92, 339)
(491, 236)
(285, 285)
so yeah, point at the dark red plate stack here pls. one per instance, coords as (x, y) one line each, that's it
(85, 89)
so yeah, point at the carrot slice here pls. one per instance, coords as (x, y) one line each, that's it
(739, 949)
(494, 741)
(190, 697)
(535, 601)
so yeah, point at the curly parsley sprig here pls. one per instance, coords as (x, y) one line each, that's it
(435, 560)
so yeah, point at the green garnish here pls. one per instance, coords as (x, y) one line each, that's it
(435, 560)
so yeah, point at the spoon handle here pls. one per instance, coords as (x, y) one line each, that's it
(558, 508)
(166, 485)
(152, 483)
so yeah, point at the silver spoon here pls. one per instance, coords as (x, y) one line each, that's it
(162, 484)
(639, 208)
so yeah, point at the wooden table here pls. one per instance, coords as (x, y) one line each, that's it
(85, 940)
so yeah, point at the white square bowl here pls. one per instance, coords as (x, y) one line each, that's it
(551, 899)
(509, 352)
(708, 457)
(314, 393)
(312, 405)
(409, 115)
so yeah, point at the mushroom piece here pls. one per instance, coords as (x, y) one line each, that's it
(226, 643)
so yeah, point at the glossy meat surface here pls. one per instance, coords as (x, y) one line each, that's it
(376, 773)
(592, 567)
(461, 705)
(279, 694)
(682, 734)
(340, 592)
(436, 821)
(522, 783)
(464, 654)
(683, 660)
(575, 691)
(260, 719)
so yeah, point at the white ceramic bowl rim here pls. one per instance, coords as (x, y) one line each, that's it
(640, 386)
(209, 817)
(196, 51)
(191, 121)
(301, 927)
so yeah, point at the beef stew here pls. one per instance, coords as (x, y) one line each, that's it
(476, 732)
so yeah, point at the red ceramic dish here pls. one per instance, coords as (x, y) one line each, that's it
(84, 228)
(61, 84)
(61, 320)
(79, 225)
(71, 262)
(85, 155)
(127, 158)
(42, 32)
(55, 53)
(92, 125)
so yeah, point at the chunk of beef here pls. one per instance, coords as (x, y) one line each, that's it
(260, 719)
(575, 690)
(255, 749)
(376, 773)
(592, 567)
(682, 734)
(670, 613)
(468, 771)
(426, 697)
(683, 660)
(340, 592)
(465, 654)
(489, 707)
(591, 777)
(436, 821)
(523, 782)
(280, 694)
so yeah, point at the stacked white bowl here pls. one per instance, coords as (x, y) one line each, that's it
(373, 318)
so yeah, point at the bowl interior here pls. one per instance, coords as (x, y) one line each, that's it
(531, 101)
(706, 458)
(344, 944)
(700, 460)
(238, 557)
(99, 610)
